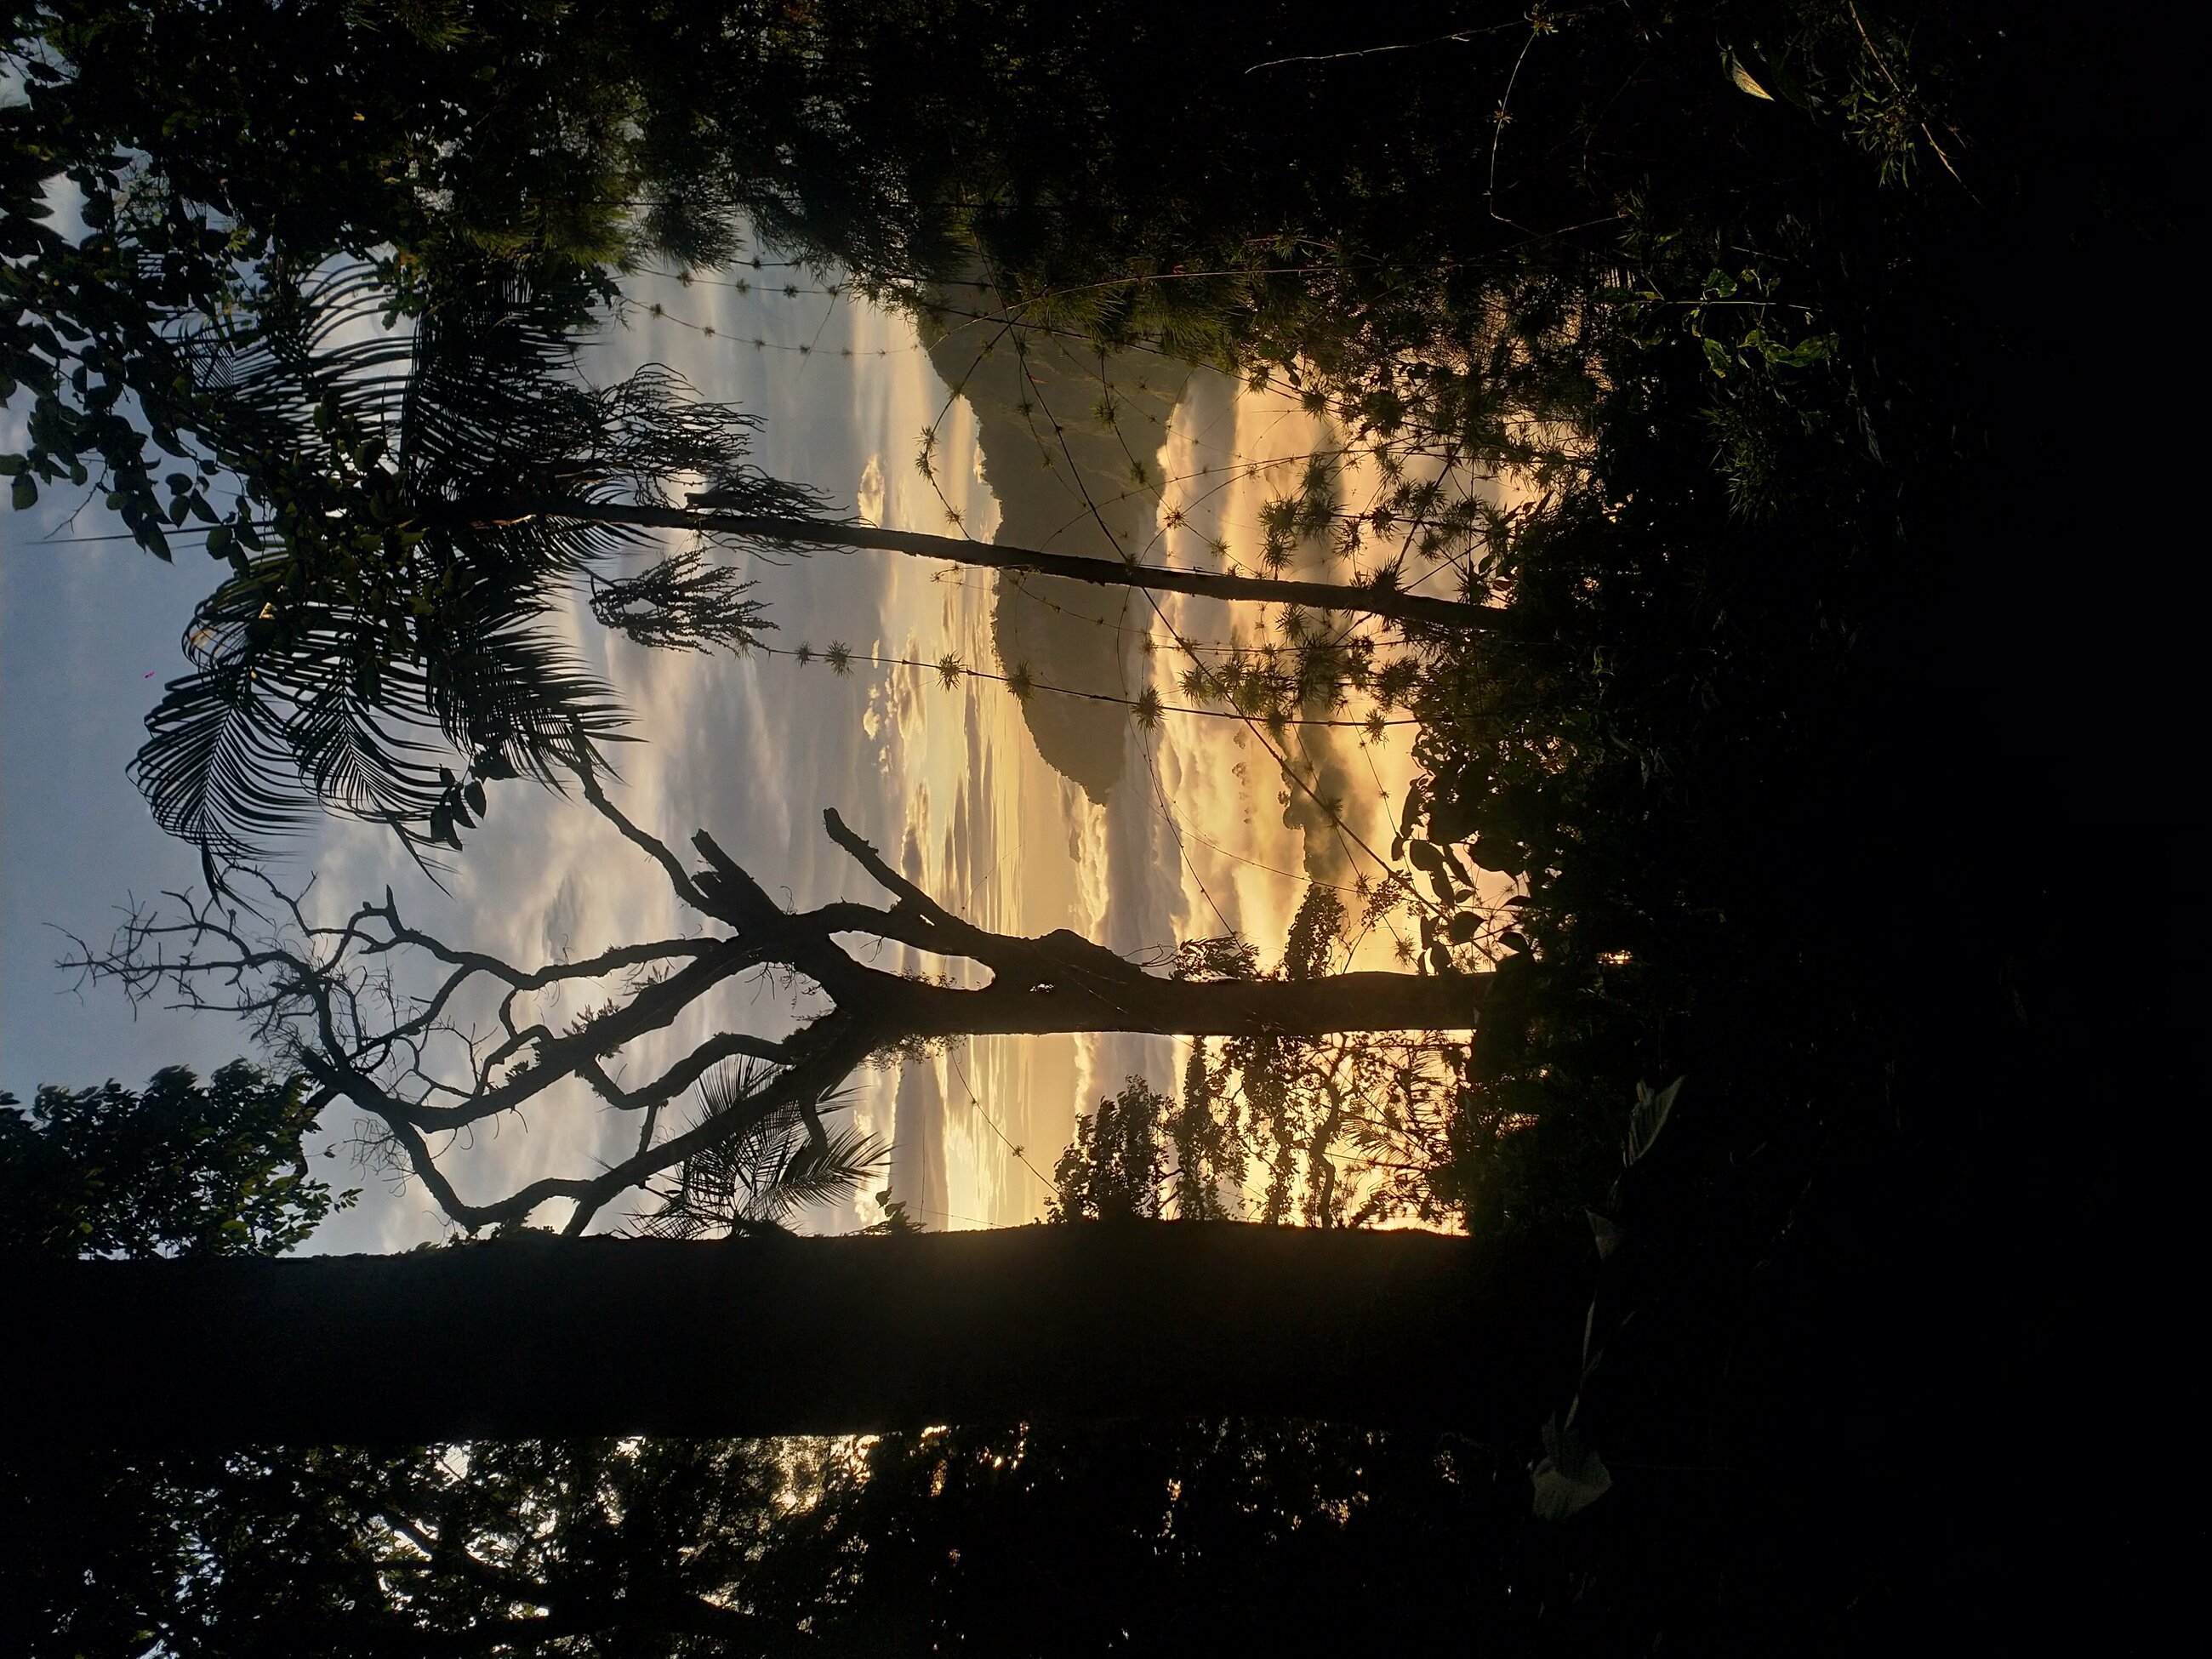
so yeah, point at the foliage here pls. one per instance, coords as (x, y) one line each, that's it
(484, 1548)
(1692, 385)
(1346, 1130)
(754, 1180)
(684, 604)
(209, 149)
(1460, 325)
(1111, 1171)
(1760, 295)
(235, 305)
(897, 1223)
(1084, 1539)
(1030, 1539)
(180, 1167)
(394, 557)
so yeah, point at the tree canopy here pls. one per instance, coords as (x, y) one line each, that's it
(180, 1167)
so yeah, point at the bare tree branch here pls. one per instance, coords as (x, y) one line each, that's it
(335, 1001)
(889, 879)
(655, 850)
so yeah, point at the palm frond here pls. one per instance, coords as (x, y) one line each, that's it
(263, 732)
(385, 625)
(767, 1169)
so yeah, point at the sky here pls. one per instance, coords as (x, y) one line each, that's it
(1138, 837)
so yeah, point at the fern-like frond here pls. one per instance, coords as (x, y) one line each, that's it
(287, 712)
(767, 1168)
(822, 1176)
(682, 604)
(400, 547)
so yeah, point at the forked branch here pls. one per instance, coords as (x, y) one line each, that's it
(430, 1040)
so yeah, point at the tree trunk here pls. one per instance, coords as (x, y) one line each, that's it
(1133, 1001)
(1111, 573)
(537, 1336)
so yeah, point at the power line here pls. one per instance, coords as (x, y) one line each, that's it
(951, 669)
(984, 1112)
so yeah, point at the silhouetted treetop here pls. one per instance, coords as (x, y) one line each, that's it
(180, 1167)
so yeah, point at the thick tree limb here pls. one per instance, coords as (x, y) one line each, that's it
(864, 853)
(1108, 573)
(652, 846)
(543, 1337)
(1078, 1000)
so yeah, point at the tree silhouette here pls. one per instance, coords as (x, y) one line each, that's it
(324, 996)
(351, 1550)
(180, 1167)
(1373, 600)
(535, 1335)
(532, 1335)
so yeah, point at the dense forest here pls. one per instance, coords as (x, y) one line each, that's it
(1727, 1225)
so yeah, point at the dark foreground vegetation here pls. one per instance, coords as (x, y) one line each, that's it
(1831, 739)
